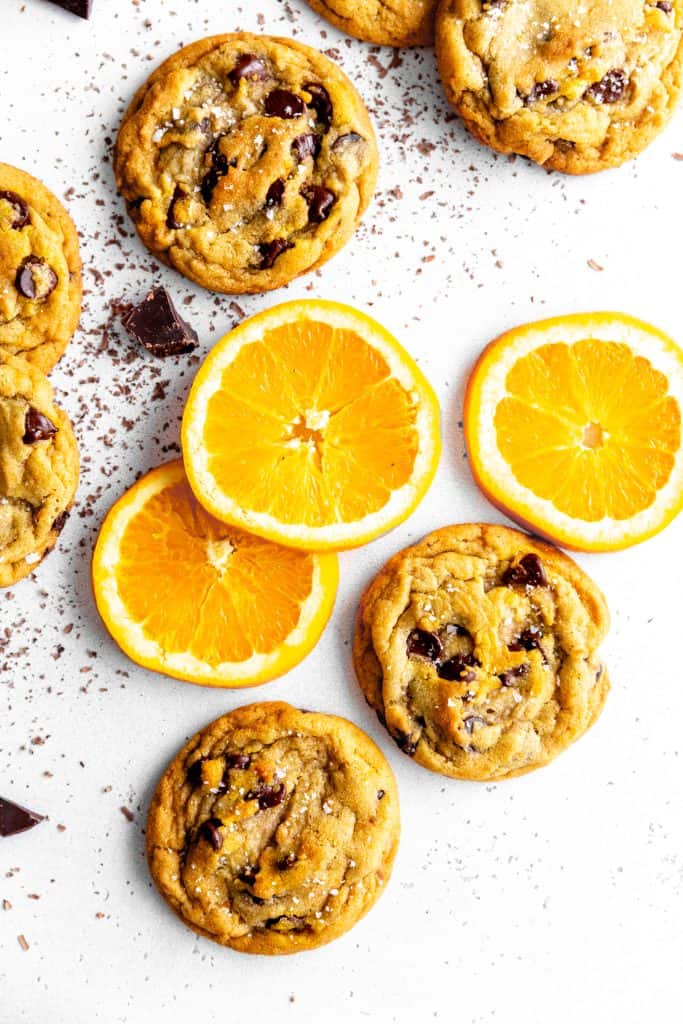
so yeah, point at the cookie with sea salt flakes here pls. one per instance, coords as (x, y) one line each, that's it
(478, 648)
(274, 829)
(39, 467)
(40, 270)
(246, 160)
(401, 23)
(575, 87)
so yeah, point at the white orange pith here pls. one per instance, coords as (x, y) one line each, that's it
(573, 428)
(184, 594)
(309, 424)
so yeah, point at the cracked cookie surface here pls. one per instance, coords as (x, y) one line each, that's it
(575, 88)
(40, 270)
(246, 160)
(38, 468)
(384, 22)
(274, 829)
(477, 647)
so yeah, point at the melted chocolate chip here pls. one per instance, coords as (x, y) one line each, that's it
(471, 722)
(424, 644)
(528, 572)
(540, 90)
(241, 761)
(194, 772)
(171, 219)
(285, 104)
(275, 193)
(458, 667)
(37, 427)
(512, 675)
(350, 139)
(15, 819)
(609, 89)
(210, 831)
(381, 794)
(320, 202)
(60, 522)
(249, 67)
(528, 640)
(407, 745)
(306, 145)
(320, 102)
(267, 795)
(664, 5)
(270, 251)
(35, 279)
(248, 875)
(286, 861)
(21, 215)
(219, 166)
(156, 324)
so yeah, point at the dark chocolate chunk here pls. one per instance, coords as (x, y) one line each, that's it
(268, 795)
(241, 761)
(407, 745)
(512, 675)
(270, 251)
(80, 7)
(320, 201)
(219, 165)
(286, 861)
(528, 572)
(60, 522)
(35, 279)
(458, 667)
(249, 67)
(37, 427)
(275, 193)
(171, 219)
(306, 145)
(540, 90)
(380, 794)
(320, 102)
(210, 831)
(664, 5)
(472, 721)
(282, 103)
(194, 772)
(21, 215)
(528, 640)
(15, 819)
(248, 874)
(609, 89)
(424, 644)
(156, 324)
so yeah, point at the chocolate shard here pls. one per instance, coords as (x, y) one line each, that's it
(80, 7)
(15, 819)
(156, 324)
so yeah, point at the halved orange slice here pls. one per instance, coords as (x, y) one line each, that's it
(573, 428)
(186, 595)
(310, 425)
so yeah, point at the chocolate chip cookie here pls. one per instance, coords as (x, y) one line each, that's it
(274, 829)
(575, 87)
(246, 160)
(398, 23)
(38, 468)
(40, 270)
(477, 647)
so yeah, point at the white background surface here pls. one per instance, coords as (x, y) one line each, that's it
(553, 898)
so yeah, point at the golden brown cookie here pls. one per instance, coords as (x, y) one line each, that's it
(246, 160)
(274, 830)
(575, 87)
(38, 468)
(40, 270)
(477, 647)
(384, 22)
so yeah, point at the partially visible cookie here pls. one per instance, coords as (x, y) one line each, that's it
(274, 829)
(400, 23)
(246, 160)
(478, 648)
(577, 88)
(40, 270)
(38, 468)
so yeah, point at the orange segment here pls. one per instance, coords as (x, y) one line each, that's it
(187, 595)
(311, 426)
(573, 427)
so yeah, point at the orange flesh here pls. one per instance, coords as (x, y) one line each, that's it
(590, 427)
(326, 438)
(203, 587)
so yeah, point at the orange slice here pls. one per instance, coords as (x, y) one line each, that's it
(573, 427)
(310, 425)
(186, 595)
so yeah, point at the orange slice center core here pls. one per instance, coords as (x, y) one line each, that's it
(593, 436)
